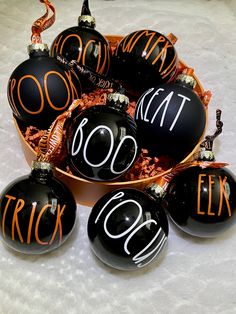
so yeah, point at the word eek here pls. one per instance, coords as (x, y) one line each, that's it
(209, 180)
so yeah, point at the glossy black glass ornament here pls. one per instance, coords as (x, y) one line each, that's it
(101, 140)
(202, 202)
(127, 229)
(143, 59)
(171, 119)
(38, 212)
(41, 88)
(84, 44)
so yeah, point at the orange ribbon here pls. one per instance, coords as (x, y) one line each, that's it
(43, 22)
(51, 143)
(183, 166)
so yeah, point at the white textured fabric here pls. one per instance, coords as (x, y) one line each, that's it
(194, 276)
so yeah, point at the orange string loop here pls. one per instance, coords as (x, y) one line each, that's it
(43, 22)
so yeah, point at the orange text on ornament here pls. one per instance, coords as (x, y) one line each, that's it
(210, 179)
(15, 227)
(70, 88)
(130, 42)
(102, 55)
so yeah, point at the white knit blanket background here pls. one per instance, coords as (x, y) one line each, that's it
(194, 275)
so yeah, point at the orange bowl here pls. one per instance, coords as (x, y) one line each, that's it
(88, 192)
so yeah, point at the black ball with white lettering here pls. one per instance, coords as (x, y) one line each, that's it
(38, 212)
(127, 229)
(171, 120)
(202, 202)
(102, 142)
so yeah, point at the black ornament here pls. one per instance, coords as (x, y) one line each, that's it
(127, 229)
(41, 88)
(143, 59)
(84, 44)
(102, 141)
(171, 119)
(38, 212)
(202, 202)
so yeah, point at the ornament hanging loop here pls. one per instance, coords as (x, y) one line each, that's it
(85, 8)
(43, 22)
(209, 139)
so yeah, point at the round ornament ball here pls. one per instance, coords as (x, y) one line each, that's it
(38, 212)
(84, 44)
(127, 229)
(101, 140)
(202, 202)
(143, 59)
(41, 88)
(171, 119)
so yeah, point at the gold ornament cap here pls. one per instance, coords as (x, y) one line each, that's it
(155, 190)
(41, 165)
(206, 155)
(87, 21)
(118, 97)
(187, 80)
(117, 100)
(37, 47)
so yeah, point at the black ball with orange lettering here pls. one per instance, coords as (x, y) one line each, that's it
(86, 46)
(202, 202)
(37, 214)
(144, 59)
(41, 88)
